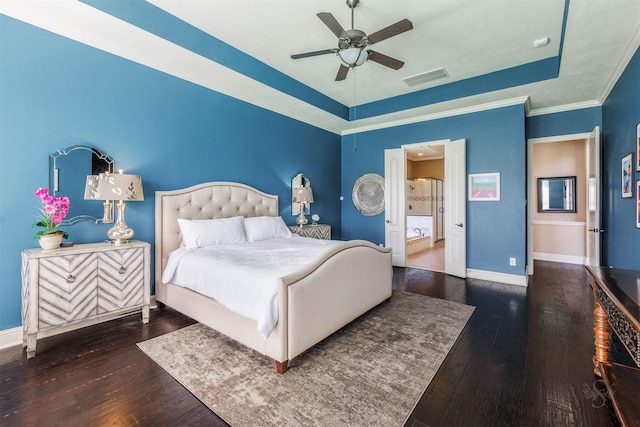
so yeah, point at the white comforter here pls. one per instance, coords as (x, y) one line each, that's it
(243, 277)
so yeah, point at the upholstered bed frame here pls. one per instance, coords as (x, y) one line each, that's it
(314, 302)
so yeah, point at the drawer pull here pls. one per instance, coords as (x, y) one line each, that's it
(122, 270)
(70, 278)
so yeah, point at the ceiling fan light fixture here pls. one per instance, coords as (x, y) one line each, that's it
(353, 56)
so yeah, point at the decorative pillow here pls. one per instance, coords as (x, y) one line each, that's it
(265, 227)
(200, 233)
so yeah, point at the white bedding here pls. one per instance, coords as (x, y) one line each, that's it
(243, 277)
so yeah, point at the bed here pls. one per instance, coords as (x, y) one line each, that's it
(346, 281)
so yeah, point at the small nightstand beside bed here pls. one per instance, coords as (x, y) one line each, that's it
(310, 301)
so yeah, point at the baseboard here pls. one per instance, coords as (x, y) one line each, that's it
(12, 337)
(493, 276)
(567, 259)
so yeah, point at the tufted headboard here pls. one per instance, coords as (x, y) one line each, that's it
(210, 200)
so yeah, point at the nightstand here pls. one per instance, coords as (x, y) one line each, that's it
(320, 231)
(70, 288)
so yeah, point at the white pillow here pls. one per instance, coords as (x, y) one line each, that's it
(200, 233)
(265, 227)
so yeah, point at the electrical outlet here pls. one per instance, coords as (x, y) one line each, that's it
(512, 262)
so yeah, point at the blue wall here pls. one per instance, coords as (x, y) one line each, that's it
(55, 92)
(620, 115)
(495, 139)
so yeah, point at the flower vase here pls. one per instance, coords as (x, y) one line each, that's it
(49, 242)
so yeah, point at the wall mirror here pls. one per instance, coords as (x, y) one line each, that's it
(557, 194)
(300, 180)
(68, 170)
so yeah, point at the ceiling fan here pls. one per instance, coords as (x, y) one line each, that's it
(352, 43)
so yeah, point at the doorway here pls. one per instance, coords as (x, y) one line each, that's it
(572, 237)
(425, 239)
(454, 210)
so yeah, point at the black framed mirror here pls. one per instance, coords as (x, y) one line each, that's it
(557, 194)
(68, 170)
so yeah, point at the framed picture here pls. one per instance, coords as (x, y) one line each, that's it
(627, 176)
(484, 187)
(638, 147)
(638, 203)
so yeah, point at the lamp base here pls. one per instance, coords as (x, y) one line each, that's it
(120, 233)
(302, 220)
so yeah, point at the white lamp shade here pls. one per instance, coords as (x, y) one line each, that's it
(353, 56)
(302, 195)
(113, 186)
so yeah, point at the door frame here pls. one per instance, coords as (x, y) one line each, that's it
(530, 184)
(594, 228)
(446, 184)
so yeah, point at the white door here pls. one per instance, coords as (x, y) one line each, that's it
(455, 208)
(395, 162)
(594, 229)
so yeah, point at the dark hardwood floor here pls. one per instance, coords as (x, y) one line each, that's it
(524, 359)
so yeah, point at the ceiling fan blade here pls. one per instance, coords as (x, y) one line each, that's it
(342, 73)
(314, 53)
(390, 31)
(332, 23)
(385, 60)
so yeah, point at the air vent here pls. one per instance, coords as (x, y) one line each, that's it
(427, 77)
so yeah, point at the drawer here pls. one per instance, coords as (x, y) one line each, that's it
(120, 279)
(67, 288)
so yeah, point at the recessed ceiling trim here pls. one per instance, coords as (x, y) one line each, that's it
(152, 18)
(98, 30)
(520, 75)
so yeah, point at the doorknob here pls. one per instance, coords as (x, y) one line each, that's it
(388, 221)
(460, 225)
(597, 230)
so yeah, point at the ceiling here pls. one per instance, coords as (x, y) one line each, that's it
(469, 38)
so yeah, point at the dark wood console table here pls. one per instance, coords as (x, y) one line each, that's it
(617, 307)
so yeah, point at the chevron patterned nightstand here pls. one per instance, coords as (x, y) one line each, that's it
(73, 287)
(320, 231)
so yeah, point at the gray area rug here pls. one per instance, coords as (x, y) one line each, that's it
(370, 373)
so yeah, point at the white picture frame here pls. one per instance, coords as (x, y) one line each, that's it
(484, 187)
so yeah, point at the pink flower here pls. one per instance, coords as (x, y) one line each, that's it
(41, 193)
(52, 212)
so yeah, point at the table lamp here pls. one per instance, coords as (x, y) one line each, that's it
(302, 195)
(115, 186)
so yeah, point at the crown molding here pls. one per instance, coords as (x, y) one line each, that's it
(563, 108)
(417, 115)
(630, 49)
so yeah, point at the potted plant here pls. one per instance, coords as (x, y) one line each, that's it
(52, 212)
